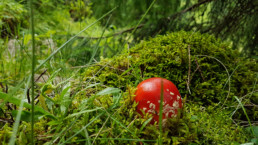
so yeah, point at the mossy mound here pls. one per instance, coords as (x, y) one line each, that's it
(212, 63)
(206, 115)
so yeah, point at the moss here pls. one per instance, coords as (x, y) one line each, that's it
(167, 56)
(203, 121)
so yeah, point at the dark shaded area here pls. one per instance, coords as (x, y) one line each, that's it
(234, 21)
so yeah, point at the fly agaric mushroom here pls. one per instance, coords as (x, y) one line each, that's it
(148, 97)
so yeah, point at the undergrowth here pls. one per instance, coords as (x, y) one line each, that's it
(94, 105)
(100, 109)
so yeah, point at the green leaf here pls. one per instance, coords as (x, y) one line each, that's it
(250, 143)
(254, 140)
(145, 123)
(254, 129)
(17, 102)
(54, 122)
(82, 112)
(65, 98)
(108, 91)
(206, 84)
(26, 115)
(194, 118)
(116, 99)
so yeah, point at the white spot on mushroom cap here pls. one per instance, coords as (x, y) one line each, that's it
(171, 93)
(176, 104)
(166, 114)
(144, 109)
(152, 106)
(178, 97)
(148, 102)
(151, 111)
(167, 89)
(167, 108)
(173, 115)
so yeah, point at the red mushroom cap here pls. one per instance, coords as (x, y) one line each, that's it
(148, 97)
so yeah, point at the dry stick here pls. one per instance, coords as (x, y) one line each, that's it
(6, 120)
(246, 123)
(28, 95)
(199, 69)
(10, 108)
(2, 86)
(5, 115)
(6, 88)
(41, 75)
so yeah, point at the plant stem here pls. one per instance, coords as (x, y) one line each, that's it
(32, 71)
(161, 113)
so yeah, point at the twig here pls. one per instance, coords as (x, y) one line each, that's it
(6, 88)
(28, 95)
(6, 120)
(199, 69)
(9, 106)
(37, 96)
(2, 86)
(41, 75)
(28, 92)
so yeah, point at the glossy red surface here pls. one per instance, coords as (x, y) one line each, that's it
(148, 95)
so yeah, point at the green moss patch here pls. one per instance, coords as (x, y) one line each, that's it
(207, 72)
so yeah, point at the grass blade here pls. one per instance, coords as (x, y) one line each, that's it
(245, 114)
(21, 104)
(82, 112)
(83, 128)
(18, 116)
(97, 46)
(57, 50)
(108, 91)
(161, 112)
(32, 71)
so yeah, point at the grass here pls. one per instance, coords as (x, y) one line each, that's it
(34, 70)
